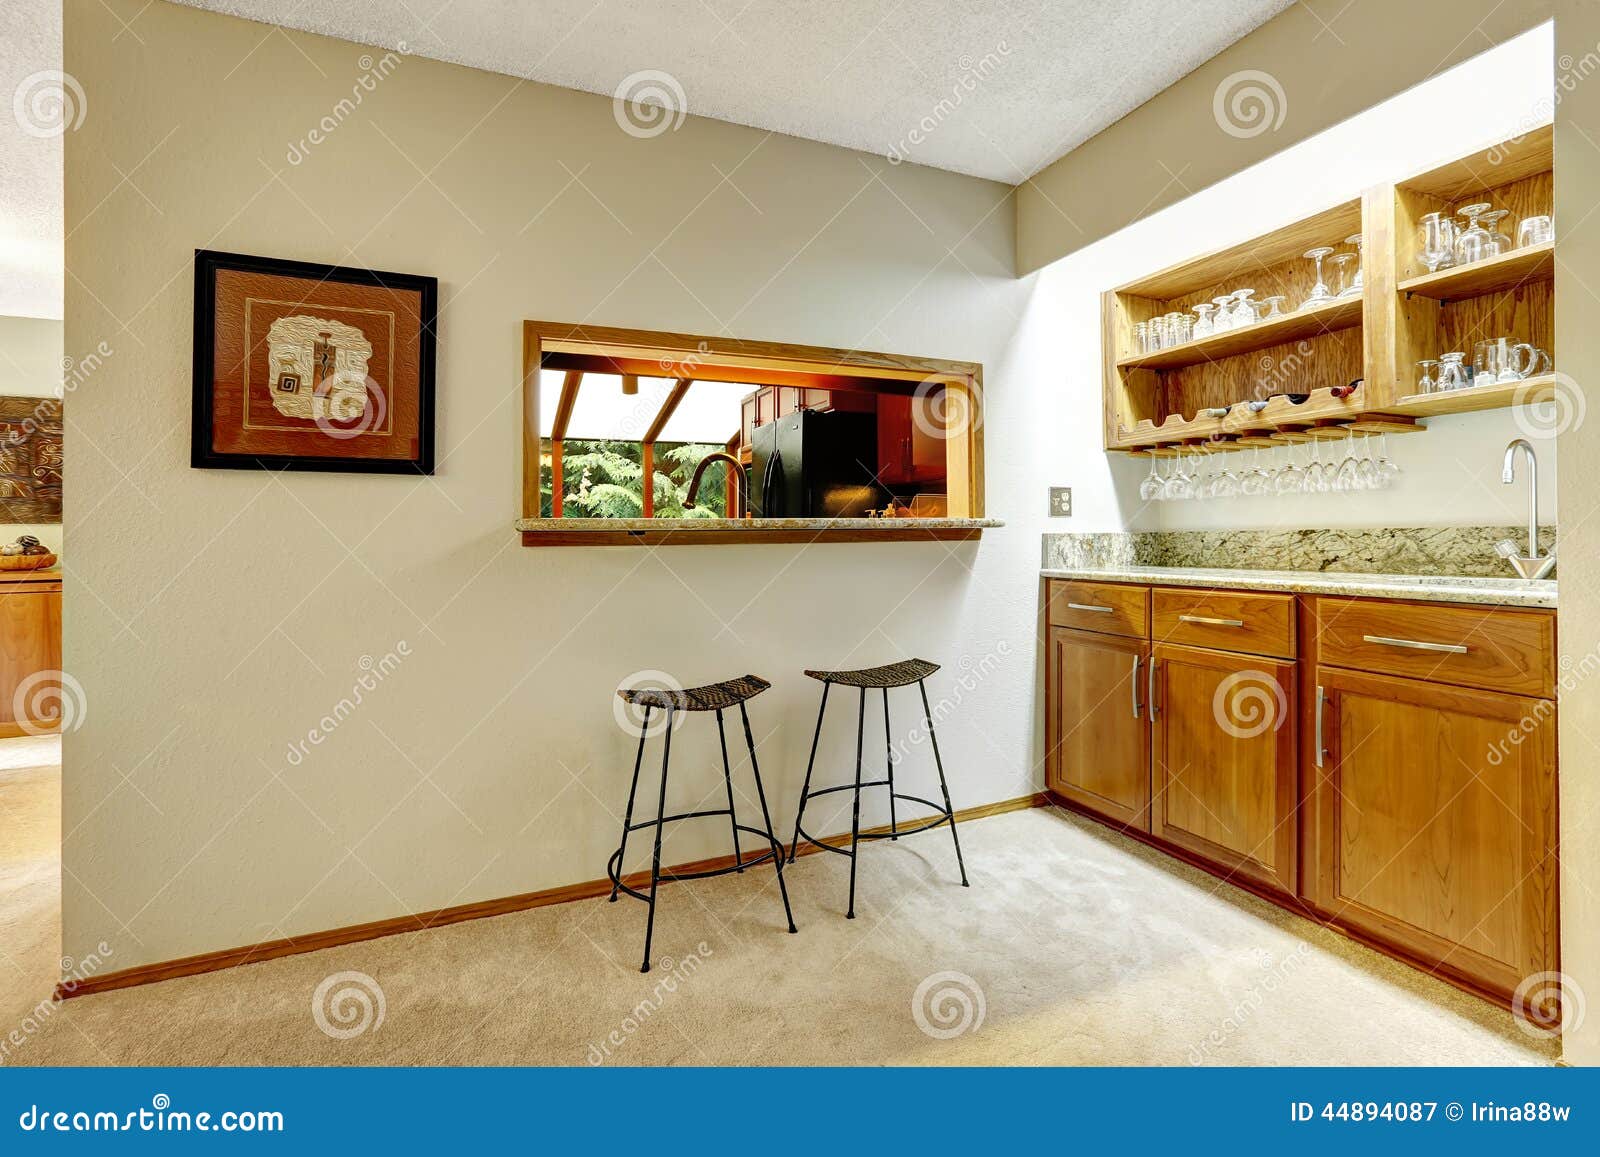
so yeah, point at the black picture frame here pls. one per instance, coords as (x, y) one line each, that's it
(202, 456)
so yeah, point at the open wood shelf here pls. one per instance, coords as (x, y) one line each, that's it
(1345, 313)
(1157, 403)
(1472, 399)
(1491, 275)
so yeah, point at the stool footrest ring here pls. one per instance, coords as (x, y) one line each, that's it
(614, 866)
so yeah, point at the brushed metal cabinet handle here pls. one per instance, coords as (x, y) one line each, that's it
(1321, 699)
(1092, 607)
(1414, 645)
(1133, 685)
(1210, 622)
(1150, 698)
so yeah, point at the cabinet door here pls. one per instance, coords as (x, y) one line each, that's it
(747, 420)
(1224, 768)
(1435, 822)
(1097, 735)
(894, 438)
(30, 643)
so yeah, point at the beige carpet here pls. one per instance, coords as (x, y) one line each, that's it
(1072, 947)
(30, 874)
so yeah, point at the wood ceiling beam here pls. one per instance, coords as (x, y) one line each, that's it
(569, 399)
(679, 391)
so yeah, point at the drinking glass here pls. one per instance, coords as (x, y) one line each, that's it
(1356, 284)
(1489, 358)
(1523, 360)
(1291, 477)
(1473, 242)
(1150, 488)
(1386, 470)
(1498, 242)
(1243, 313)
(1223, 321)
(1344, 270)
(1202, 324)
(1226, 483)
(1274, 306)
(1535, 231)
(1453, 372)
(1141, 336)
(1438, 241)
(1319, 291)
(1348, 475)
(1426, 383)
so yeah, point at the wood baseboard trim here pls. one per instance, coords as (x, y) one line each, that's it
(1294, 905)
(421, 921)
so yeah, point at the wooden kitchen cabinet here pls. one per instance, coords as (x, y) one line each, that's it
(1224, 769)
(1435, 814)
(30, 647)
(910, 448)
(1097, 732)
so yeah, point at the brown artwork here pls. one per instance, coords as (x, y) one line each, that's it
(30, 460)
(312, 367)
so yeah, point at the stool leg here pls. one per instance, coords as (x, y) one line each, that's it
(888, 757)
(855, 811)
(655, 860)
(727, 778)
(627, 816)
(766, 819)
(943, 786)
(810, 763)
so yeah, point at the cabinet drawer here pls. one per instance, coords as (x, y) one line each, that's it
(1254, 624)
(1110, 608)
(1495, 649)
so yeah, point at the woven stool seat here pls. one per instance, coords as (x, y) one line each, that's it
(711, 697)
(901, 674)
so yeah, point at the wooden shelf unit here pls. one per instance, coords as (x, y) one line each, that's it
(1157, 402)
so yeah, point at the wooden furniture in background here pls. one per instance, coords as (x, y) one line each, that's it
(1385, 767)
(1156, 402)
(30, 649)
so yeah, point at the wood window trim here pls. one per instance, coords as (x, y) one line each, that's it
(576, 348)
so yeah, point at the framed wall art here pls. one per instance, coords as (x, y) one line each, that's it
(30, 459)
(299, 366)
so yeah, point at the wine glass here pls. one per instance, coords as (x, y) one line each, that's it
(1498, 242)
(1356, 285)
(1319, 291)
(1291, 477)
(1473, 243)
(1344, 270)
(1348, 476)
(1150, 488)
(1426, 384)
(1438, 241)
(1243, 313)
(1202, 324)
(1274, 306)
(1387, 471)
(1223, 320)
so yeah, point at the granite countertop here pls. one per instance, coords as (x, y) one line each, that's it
(1509, 591)
(714, 525)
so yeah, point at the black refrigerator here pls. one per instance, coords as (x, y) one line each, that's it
(815, 464)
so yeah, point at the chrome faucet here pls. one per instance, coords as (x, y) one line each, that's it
(740, 482)
(1531, 565)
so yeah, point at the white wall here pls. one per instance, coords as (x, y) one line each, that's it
(1451, 473)
(30, 366)
(215, 617)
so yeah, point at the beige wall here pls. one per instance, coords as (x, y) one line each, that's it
(215, 617)
(30, 366)
(1577, 274)
(1329, 59)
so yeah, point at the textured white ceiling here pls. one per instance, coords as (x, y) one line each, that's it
(30, 159)
(1007, 86)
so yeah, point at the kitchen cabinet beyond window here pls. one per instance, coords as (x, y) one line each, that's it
(910, 448)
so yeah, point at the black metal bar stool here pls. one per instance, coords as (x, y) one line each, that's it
(901, 674)
(712, 697)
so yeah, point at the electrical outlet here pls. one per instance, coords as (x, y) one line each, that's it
(1060, 502)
